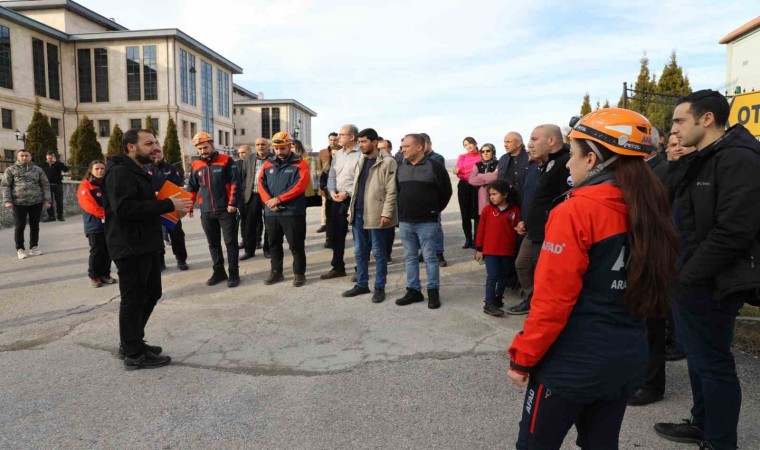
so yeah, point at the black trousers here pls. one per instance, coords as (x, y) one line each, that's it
(22, 214)
(294, 229)
(339, 232)
(655, 380)
(468, 209)
(328, 214)
(99, 261)
(243, 219)
(177, 236)
(218, 225)
(56, 194)
(254, 211)
(140, 288)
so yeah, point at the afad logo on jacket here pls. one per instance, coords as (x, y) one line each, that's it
(557, 249)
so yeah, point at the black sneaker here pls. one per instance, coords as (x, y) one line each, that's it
(680, 432)
(434, 301)
(379, 295)
(519, 310)
(493, 310)
(182, 264)
(217, 277)
(411, 296)
(644, 397)
(155, 349)
(441, 260)
(234, 278)
(356, 290)
(147, 360)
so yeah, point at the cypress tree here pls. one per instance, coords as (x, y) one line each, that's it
(87, 148)
(172, 150)
(672, 85)
(586, 106)
(39, 135)
(114, 142)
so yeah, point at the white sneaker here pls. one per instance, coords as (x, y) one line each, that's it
(34, 252)
(21, 253)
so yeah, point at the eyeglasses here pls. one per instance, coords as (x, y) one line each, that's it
(486, 151)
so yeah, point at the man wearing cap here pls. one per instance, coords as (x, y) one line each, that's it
(54, 171)
(215, 177)
(282, 185)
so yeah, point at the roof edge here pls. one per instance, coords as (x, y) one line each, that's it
(741, 31)
(280, 101)
(26, 5)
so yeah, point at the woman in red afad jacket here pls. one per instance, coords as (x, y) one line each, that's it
(609, 253)
(90, 196)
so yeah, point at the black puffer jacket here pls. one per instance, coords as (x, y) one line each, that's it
(133, 224)
(718, 216)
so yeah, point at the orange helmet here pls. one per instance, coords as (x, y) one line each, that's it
(281, 139)
(622, 131)
(202, 137)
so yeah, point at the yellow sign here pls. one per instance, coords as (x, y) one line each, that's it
(745, 109)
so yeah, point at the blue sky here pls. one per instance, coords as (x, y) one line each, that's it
(451, 68)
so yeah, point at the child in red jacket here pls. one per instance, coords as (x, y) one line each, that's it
(496, 242)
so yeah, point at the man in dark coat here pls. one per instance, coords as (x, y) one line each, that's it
(54, 171)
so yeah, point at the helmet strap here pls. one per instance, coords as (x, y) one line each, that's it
(602, 163)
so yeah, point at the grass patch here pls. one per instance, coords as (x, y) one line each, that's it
(747, 331)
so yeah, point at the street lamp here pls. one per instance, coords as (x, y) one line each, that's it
(21, 136)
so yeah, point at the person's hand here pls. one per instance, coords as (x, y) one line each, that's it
(181, 205)
(384, 221)
(272, 203)
(8, 205)
(520, 228)
(335, 197)
(231, 209)
(478, 256)
(517, 379)
(46, 205)
(456, 170)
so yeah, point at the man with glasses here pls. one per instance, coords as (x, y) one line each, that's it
(340, 187)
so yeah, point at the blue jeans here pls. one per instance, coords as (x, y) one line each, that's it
(439, 237)
(415, 235)
(498, 271)
(364, 240)
(705, 329)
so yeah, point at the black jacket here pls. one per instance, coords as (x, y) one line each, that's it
(552, 183)
(53, 172)
(133, 224)
(513, 169)
(717, 214)
(424, 190)
(659, 166)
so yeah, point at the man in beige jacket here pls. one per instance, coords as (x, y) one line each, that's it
(373, 214)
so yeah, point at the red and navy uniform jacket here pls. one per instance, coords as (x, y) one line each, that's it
(218, 182)
(90, 197)
(286, 180)
(578, 339)
(496, 231)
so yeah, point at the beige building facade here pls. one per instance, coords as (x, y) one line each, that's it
(743, 58)
(79, 63)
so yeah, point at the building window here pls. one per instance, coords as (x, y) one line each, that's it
(193, 70)
(54, 85)
(38, 62)
(7, 118)
(101, 75)
(242, 131)
(150, 72)
(223, 84)
(242, 111)
(154, 125)
(227, 138)
(234, 131)
(133, 74)
(234, 111)
(104, 128)
(221, 138)
(275, 120)
(193, 128)
(184, 128)
(207, 97)
(135, 124)
(84, 69)
(183, 76)
(10, 155)
(55, 125)
(6, 66)
(266, 129)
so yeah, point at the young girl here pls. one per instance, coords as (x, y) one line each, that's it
(496, 242)
(90, 199)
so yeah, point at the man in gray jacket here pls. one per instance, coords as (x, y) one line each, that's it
(373, 213)
(26, 192)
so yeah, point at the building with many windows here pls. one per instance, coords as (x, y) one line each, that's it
(256, 117)
(79, 63)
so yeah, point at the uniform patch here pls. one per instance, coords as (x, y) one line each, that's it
(549, 166)
(271, 170)
(570, 181)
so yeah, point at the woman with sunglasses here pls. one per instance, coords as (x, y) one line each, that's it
(467, 194)
(606, 262)
(483, 173)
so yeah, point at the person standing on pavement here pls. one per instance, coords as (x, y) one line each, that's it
(168, 172)
(90, 197)
(384, 145)
(26, 192)
(54, 171)
(215, 177)
(324, 160)
(714, 204)
(467, 194)
(340, 186)
(483, 174)
(254, 207)
(243, 151)
(133, 237)
(607, 259)
(547, 147)
(513, 165)
(372, 214)
(424, 191)
(282, 184)
(439, 237)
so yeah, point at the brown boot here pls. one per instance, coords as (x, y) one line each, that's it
(299, 280)
(333, 274)
(274, 277)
